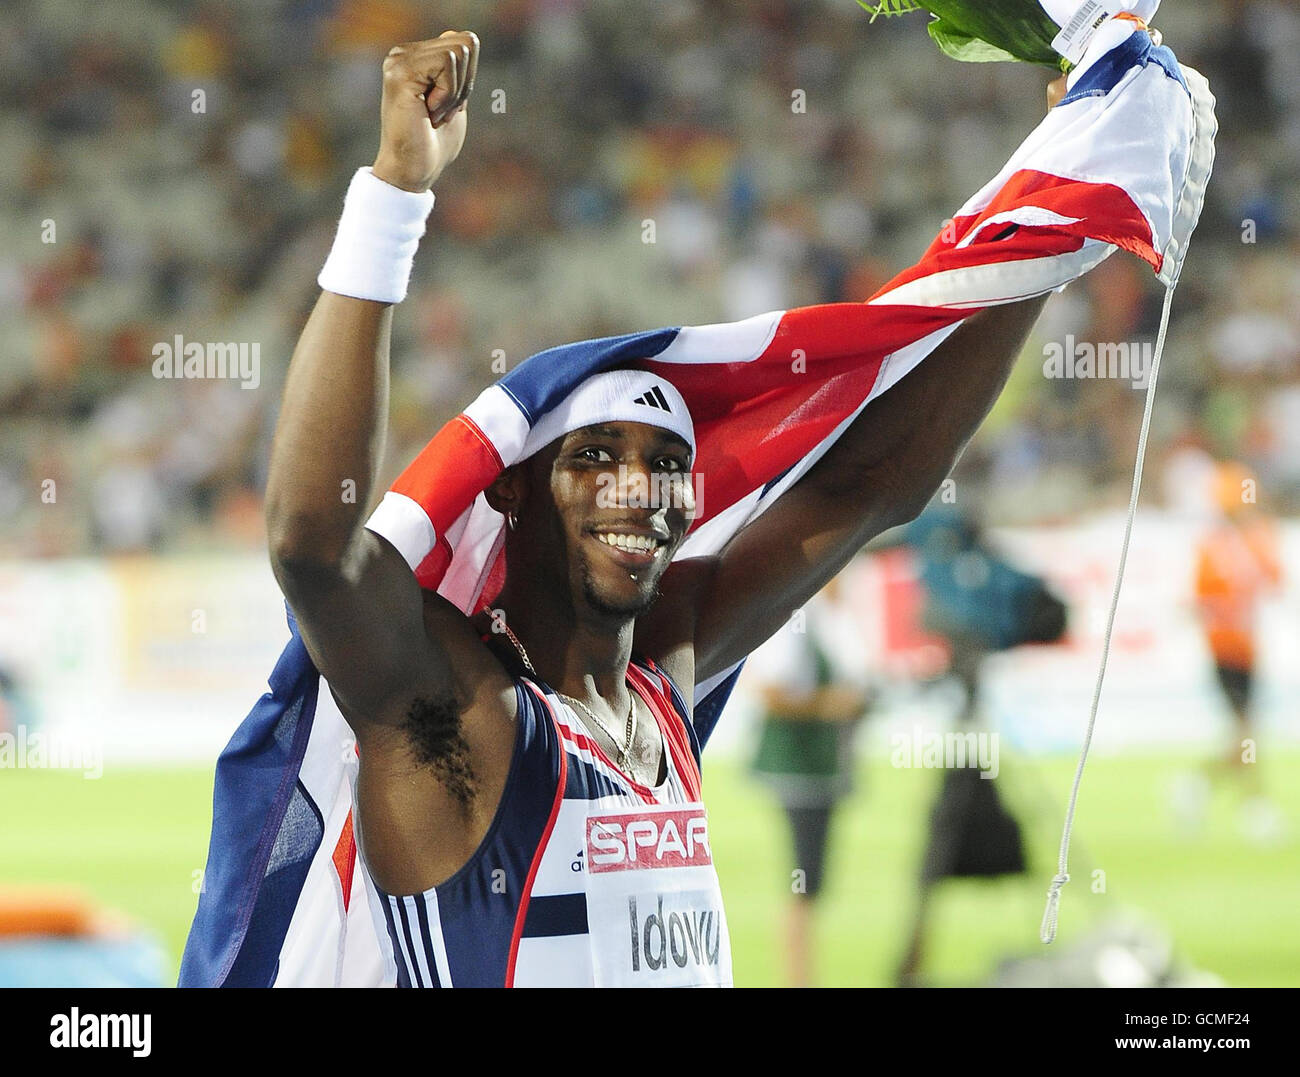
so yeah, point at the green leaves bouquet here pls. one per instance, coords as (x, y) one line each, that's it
(984, 30)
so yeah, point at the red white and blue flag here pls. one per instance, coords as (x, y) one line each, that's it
(1121, 162)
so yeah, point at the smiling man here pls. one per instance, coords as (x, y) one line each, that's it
(528, 803)
(496, 752)
(545, 744)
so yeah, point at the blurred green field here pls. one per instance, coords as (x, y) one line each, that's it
(136, 841)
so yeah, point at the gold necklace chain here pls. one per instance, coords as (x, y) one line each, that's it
(631, 724)
(630, 731)
(513, 639)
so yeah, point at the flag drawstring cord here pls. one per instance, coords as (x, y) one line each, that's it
(1048, 930)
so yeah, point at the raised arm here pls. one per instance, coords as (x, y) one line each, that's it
(880, 473)
(359, 609)
(896, 453)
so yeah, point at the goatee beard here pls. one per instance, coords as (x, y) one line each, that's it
(634, 607)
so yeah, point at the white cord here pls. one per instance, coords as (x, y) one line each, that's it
(1048, 930)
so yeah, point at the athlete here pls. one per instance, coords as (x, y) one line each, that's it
(542, 752)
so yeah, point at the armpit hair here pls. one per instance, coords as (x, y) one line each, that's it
(433, 726)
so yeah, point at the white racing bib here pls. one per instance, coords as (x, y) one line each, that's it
(654, 908)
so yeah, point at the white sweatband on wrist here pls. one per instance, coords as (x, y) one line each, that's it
(376, 241)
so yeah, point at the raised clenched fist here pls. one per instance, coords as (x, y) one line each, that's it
(422, 119)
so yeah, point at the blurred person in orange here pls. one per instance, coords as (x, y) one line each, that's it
(1237, 564)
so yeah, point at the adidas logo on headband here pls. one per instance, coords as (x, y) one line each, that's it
(613, 396)
(653, 398)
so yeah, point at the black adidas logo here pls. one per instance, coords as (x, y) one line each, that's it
(654, 398)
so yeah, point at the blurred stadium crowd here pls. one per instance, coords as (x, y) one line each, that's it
(188, 161)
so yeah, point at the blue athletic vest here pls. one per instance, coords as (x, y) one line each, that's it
(516, 913)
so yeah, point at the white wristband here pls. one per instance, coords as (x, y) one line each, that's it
(376, 241)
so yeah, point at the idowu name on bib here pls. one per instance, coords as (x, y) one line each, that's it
(689, 935)
(654, 908)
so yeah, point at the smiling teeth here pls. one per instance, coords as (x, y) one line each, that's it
(629, 543)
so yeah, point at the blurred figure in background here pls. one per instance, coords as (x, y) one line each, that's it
(981, 605)
(814, 693)
(1237, 564)
(16, 707)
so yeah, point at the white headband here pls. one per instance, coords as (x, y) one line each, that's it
(630, 396)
